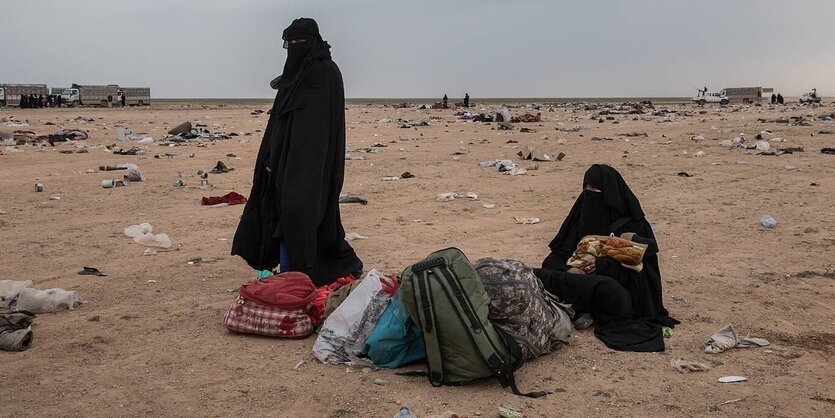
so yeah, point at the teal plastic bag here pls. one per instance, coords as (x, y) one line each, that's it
(395, 340)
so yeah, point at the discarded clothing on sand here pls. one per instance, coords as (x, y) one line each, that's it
(531, 153)
(231, 198)
(49, 300)
(16, 330)
(726, 339)
(527, 117)
(687, 366)
(63, 135)
(830, 151)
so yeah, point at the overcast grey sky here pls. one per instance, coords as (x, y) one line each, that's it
(547, 48)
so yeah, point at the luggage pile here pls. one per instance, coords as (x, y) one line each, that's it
(467, 321)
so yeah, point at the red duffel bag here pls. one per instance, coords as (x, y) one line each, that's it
(277, 306)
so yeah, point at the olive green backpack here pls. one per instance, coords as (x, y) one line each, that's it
(444, 295)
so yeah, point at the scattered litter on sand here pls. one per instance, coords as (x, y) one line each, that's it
(350, 236)
(526, 221)
(142, 235)
(731, 379)
(450, 196)
(726, 338)
(687, 366)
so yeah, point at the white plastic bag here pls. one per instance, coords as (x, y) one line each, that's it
(9, 289)
(134, 231)
(49, 300)
(346, 329)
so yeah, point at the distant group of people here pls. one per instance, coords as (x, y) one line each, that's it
(776, 98)
(31, 101)
(466, 101)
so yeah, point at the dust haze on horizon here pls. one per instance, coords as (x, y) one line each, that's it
(640, 48)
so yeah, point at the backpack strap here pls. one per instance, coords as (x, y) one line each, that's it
(426, 315)
(507, 378)
(619, 223)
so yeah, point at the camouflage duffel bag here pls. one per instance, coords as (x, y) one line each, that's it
(521, 307)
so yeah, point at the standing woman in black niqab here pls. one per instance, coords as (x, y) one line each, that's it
(292, 217)
(607, 206)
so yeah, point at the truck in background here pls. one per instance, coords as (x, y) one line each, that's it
(10, 93)
(135, 96)
(748, 95)
(810, 97)
(90, 95)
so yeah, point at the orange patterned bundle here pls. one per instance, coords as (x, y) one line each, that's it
(628, 253)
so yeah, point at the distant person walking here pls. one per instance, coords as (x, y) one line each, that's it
(773, 98)
(123, 99)
(779, 98)
(446, 102)
(467, 100)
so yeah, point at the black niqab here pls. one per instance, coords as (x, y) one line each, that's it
(615, 210)
(300, 168)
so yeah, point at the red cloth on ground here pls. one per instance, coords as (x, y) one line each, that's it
(231, 198)
(291, 290)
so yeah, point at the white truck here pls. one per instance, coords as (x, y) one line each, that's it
(10, 93)
(90, 95)
(704, 97)
(810, 97)
(134, 96)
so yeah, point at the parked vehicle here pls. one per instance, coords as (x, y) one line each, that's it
(810, 97)
(10, 93)
(704, 97)
(135, 96)
(90, 95)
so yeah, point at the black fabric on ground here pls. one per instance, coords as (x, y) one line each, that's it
(587, 293)
(304, 149)
(630, 335)
(594, 213)
(15, 334)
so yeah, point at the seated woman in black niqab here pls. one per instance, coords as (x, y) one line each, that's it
(626, 305)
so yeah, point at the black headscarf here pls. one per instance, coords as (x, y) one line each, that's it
(593, 212)
(299, 57)
(300, 168)
(615, 210)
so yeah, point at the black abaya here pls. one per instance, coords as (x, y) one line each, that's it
(613, 210)
(300, 169)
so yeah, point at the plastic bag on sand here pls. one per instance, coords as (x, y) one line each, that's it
(346, 329)
(10, 288)
(134, 173)
(153, 240)
(49, 300)
(134, 231)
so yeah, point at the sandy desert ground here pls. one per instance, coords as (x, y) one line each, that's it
(148, 341)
